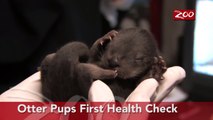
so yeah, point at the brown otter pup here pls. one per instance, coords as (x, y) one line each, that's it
(121, 59)
(133, 54)
(67, 73)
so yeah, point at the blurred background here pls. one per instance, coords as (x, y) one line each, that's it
(29, 30)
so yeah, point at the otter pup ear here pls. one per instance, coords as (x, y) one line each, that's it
(158, 68)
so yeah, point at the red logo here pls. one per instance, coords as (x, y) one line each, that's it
(184, 15)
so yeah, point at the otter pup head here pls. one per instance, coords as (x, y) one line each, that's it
(131, 53)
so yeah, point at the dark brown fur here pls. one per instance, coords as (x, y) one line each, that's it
(134, 55)
(129, 55)
(67, 73)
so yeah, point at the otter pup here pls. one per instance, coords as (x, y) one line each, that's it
(133, 54)
(67, 73)
(121, 59)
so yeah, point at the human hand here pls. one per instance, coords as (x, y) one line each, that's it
(148, 90)
(30, 89)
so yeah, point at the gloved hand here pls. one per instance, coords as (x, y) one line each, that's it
(148, 90)
(30, 89)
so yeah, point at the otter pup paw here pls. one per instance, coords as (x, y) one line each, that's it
(108, 37)
(158, 68)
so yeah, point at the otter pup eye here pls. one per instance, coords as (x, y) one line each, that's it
(139, 59)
